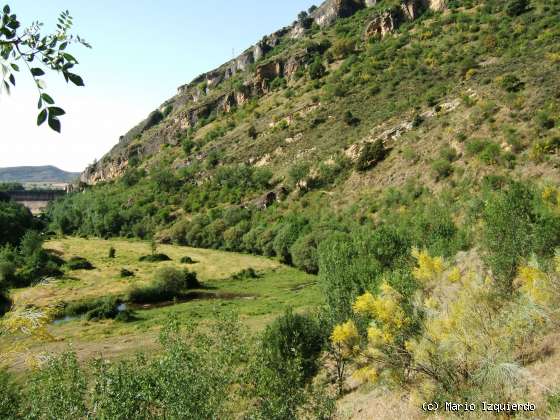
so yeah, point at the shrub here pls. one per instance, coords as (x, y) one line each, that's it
(346, 269)
(126, 273)
(298, 172)
(15, 220)
(102, 308)
(316, 69)
(491, 153)
(508, 232)
(442, 168)
(112, 252)
(175, 279)
(188, 146)
(370, 155)
(252, 132)
(79, 263)
(187, 260)
(448, 153)
(293, 336)
(10, 396)
(343, 47)
(169, 283)
(154, 258)
(57, 390)
(511, 83)
(287, 235)
(304, 254)
(517, 7)
(350, 119)
(246, 273)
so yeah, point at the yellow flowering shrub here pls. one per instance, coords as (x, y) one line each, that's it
(466, 337)
(428, 268)
(345, 336)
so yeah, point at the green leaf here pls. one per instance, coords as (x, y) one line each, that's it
(69, 57)
(77, 80)
(42, 117)
(15, 67)
(47, 98)
(54, 123)
(55, 111)
(63, 46)
(7, 9)
(12, 79)
(40, 103)
(35, 71)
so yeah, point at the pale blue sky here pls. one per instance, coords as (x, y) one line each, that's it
(142, 51)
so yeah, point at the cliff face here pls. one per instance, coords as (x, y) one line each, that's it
(237, 81)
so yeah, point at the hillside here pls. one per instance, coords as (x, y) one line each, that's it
(368, 110)
(405, 155)
(43, 174)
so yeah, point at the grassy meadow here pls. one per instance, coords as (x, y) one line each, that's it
(257, 301)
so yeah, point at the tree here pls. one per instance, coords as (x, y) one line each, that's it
(30, 46)
(517, 7)
(316, 68)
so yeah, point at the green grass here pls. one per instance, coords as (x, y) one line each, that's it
(261, 299)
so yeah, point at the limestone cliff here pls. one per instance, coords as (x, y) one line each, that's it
(237, 81)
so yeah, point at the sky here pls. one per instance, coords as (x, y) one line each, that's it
(142, 51)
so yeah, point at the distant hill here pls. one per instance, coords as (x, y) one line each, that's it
(36, 174)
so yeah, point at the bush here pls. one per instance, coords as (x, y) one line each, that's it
(57, 390)
(287, 235)
(112, 252)
(304, 254)
(9, 397)
(370, 155)
(188, 146)
(298, 172)
(491, 153)
(343, 47)
(246, 273)
(511, 83)
(293, 336)
(102, 308)
(169, 283)
(517, 7)
(508, 232)
(350, 119)
(79, 263)
(316, 69)
(442, 168)
(154, 258)
(187, 260)
(252, 132)
(15, 220)
(126, 273)
(346, 269)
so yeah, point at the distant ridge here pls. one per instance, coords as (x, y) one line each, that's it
(36, 174)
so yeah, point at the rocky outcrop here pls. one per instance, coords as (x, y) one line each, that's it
(437, 5)
(389, 21)
(200, 98)
(331, 10)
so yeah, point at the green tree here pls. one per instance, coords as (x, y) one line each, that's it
(517, 7)
(316, 68)
(30, 46)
